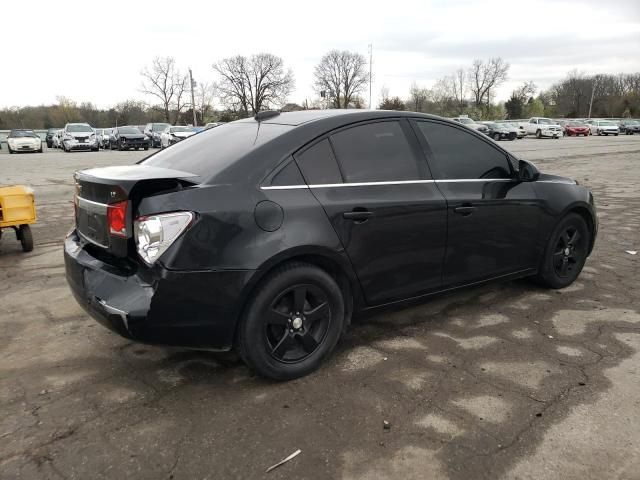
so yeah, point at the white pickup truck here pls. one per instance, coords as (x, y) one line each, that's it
(542, 127)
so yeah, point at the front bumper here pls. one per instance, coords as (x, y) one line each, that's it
(158, 306)
(26, 147)
(134, 143)
(551, 133)
(76, 145)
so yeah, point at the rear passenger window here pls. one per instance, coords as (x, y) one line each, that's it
(288, 176)
(375, 152)
(318, 164)
(461, 155)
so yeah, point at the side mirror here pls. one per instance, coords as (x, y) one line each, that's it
(527, 172)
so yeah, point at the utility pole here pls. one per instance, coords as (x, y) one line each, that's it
(370, 71)
(593, 89)
(193, 99)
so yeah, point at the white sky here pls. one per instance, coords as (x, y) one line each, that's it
(94, 51)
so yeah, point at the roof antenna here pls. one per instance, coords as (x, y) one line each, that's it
(267, 114)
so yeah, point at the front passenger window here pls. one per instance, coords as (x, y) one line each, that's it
(458, 154)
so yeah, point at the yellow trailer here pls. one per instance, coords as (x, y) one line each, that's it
(18, 211)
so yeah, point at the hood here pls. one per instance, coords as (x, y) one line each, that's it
(80, 134)
(132, 136)
(183, 134)
(24, 140)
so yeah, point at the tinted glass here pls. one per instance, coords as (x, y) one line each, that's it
(375, 152)
(213, 150)
(158, 127)
(289, 175)
(22, 133)
(129, 130)
(318, 164)
(461, 155)
(79, 128)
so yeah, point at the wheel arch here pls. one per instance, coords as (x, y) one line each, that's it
(337, 265)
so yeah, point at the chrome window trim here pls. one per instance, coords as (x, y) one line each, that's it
(397, 182)
(99, 205)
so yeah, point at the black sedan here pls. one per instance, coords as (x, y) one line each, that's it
(501, 131)
(49, 138)
(268, 234)
(125, 138)
(629, 127)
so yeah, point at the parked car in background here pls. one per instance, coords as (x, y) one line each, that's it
(268, 233)
(572, 128)
(126, 137)
(517, 125)
(49, 138)
(57, 139)
(543, 127)
(172, 135)
(79, 136)
(603, 127)
(24, 140)
(501, 131)
(471, 123)
(103, 137)
(153, 132)
(629, 127)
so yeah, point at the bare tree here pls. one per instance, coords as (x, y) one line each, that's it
(205, 93)
(525, 91)
(485, 76)
(164, 81)
(255, 83)
(342, 76)
(459, 88)
(418, 97)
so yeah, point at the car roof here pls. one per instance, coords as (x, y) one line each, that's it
(334, 116)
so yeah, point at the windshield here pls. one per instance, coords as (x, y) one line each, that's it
(575, 124)
(503, 125)
(632, 122)
(545, 121)
(79, 128)
(466, 121)
(607, 124)
(159, 127)
(22, 133)
(128, 130)
(211, 151)
(181, 129)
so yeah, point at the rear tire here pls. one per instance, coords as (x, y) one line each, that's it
(295, 295)
(566, 253)
(26, 238)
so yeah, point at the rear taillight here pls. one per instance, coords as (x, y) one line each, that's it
(117, 219)
(154, 234)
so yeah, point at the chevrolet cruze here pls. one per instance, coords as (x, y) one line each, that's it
(268, 234)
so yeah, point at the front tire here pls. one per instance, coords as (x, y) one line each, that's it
(496, 137)
(292, 323)
(538, 134)
(566, 253)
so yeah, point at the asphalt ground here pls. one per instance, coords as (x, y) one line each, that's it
(507, 380)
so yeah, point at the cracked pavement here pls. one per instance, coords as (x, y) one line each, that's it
(507, 380)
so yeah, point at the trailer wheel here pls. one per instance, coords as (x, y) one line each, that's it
(26, 238)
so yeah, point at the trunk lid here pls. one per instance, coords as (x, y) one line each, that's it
(101, 190)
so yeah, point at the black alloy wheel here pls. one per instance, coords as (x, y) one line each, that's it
(566, 252)
(292, 323)
(297, 322)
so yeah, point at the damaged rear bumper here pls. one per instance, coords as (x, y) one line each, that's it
(189, 309)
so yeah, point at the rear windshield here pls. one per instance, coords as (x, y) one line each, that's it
(211, 151)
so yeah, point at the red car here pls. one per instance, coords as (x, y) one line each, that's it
(576, 128)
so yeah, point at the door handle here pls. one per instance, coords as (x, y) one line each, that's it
(358, 216)
(465, 210)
